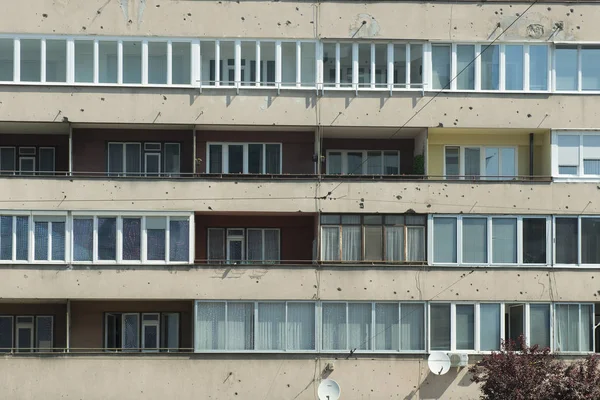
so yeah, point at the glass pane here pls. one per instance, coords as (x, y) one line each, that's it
(394, 243)
(465, 327)
(133, 159)
(44, 332)
(412, 327)
(157, 63)
(172, 158)
(416, 65)
(210, 326)
(489, 327)
(586, 326)
(415, 243)
(590, 240)
(152, 164)
(255, 158)
(236, 159)
(538, 67)
(399, 65)
(41, 240)
(273, 158)
(179, 239)
(516, 321)
(381, 65)
(474, 240)
(58, 241)
(267, 60)
(440, 326)
(334, 326)
(472, 162)
(507, 163)
(568, 154)
(374, 163)
(84, 61)
(132, 239)
(351, 243)
(255, 245)
(534, 241)
(591, 167)
(334, 163)
(364, 64)
(566, 240)
(25, 338)
(240, 326)
(216, 239)
(346, 64)
(227, 64)
(22, 238)
(387, 328)
(492, 162)
(490, 67)
(216, 159)
(46, 160)
(465, 67)
(504, 240)
(7, 160)
(539, 331)
(301, 326)
(590, 73)
(444, 240)
(452, 161)
(6, 233)
(248, 63)
(130, 331)
(330, 242)
(182, 61)
(115, 158)
(107, 62)
(83, 239)
(359, 326)
(6, 334)
(107, 239)
(270, 332)
(355, 163)
(567, 327)
(31, 60)
(156, 236)
(208, 66)
(7, 55)
(169, 331)
(514, 67)
(56, 60)
(373, 243)
(391, 163)
(288, 64)
(441, 66)
(150, 336)
(271, 245)
(27, 165)
(235, 248)
(566, 68)
(329, 63)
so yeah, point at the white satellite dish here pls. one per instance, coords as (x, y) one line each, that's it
(329, 390)
(439, 363)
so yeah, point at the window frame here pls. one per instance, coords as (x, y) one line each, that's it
(579, 264)
(244, 240)
(554, 324)
(140, 339)
(489, 242)
(364, 169)
(578, 46)
(245, 155)
(482, 169)
(580, 176)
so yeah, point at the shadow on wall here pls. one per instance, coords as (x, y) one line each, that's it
(443, 386)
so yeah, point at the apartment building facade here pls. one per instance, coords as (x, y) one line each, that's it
(239, 199)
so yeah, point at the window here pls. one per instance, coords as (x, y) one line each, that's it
(122, 239)
(244, 158)
(48, 233)
(491, 240)
(490, 67)
(151, 159)
(387, 238)
(27, 160)
(574, 327)
(255, 326)
(577, 67)
(26, 333)
(440, 59)
(577, 240)
(241, 245)
(363, 162)
(146, 332)
(474, 162)
(577, 154)
(49, 238)
(6, 60)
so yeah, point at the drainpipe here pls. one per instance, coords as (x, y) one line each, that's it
(531, 154)
(194, 150)
(68, 325)
(70, 149)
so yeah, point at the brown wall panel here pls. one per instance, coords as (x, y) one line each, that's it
(297, 148)
(58, 311)
(59, 142)
(296, 232)
(90, 145)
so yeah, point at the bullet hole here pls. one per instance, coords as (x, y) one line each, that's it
(549, 8)
(470, 108)
(101, 98)
(455, 123)
(521, 292)
(395, 293)
(130, 22)
(185, 19)
(440, 125)
(496, 12)
(297, 9)
(164, 97)
(428, 205)
(243, 19)
(279, 24)
(101, 27)
(83, 28)
(571, 10)
(236, 393)
(288, 385)
(158, 6)
(81, 109)
(568, 14)
(518, 15)
(288, 22)
(189, 14)
(98, 12)
(45, 15)
(528, 115)
(578, 27)
(339, 289)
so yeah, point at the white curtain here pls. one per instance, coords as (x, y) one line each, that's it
(394, 243)
(387, 333)
(351, 248)
(330, 243)
(415, 245)
(334, 326)
(301, 326)
(272, 245)
(270, 332)
(210, 326)
(412, 321)
(539, 331)
(240, 326)
(359, 326)
(489, 327)
(574, 327)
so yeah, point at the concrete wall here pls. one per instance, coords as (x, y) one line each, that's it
(232, 377)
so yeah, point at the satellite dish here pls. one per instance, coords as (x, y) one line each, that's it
(439, 363)
(329, 390)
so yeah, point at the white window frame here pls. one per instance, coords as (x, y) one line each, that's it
(24, 325)
(24, 172)
(581, 176)
(579, 263)
(483, 173)
(554, 324)
(49, 259)
(263, 244)
(459, 233)
(479, 48)
(364, 169)
(147, 155)
(246, 160)
(230, 238)
(143, 242)
(579, 76)
(153, 323)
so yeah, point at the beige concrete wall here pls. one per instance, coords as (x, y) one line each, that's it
(484, 197)
(224, 378)
(303, 283)
(298, 19)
